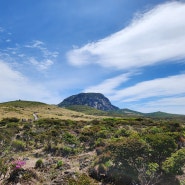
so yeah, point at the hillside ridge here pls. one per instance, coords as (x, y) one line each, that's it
(19, 107)
(90, 102)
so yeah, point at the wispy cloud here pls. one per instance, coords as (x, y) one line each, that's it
(7, 74)
(108, 87)
(154, 37)
(41, 65)
(169, 86)
(161, 88)
(44, 59)
(173, 101)
(35, 53)
(164, 94)
(37, 44)
(17, 86)
(171, 105)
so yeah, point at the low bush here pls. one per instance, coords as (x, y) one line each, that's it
(39, 164)
(18, 145)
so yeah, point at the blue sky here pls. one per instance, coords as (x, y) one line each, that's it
(131, 51)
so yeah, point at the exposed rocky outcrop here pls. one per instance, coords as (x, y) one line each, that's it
(95, 100)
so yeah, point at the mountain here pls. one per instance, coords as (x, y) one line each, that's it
(129, 112)
(95, 100)
(98, 104)
(94, 105)
(160, 114)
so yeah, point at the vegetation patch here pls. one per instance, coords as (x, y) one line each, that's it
(107, 150)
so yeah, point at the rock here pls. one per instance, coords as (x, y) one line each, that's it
(95, 100)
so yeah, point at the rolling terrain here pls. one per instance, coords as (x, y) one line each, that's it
(25, 110)
(81, 145)
(98, 104)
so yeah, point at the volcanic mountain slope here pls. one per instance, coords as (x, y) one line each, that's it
(98, 104)
(95, 100)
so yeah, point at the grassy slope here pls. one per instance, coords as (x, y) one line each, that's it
(87, 110)
(21, 103)
(121, 112)
(25, 110)
(92, 111)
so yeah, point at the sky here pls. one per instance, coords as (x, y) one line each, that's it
(132, 51)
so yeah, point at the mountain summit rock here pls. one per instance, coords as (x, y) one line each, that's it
(95, 100)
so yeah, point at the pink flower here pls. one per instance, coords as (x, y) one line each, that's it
(19, 164)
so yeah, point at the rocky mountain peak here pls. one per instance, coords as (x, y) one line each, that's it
(95, 100)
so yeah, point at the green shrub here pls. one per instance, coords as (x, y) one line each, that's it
(3, 168)
(70, 138)
(155, 130)
(59, 163)
(103, 134)
(28, 175)
(66, 151)
(39, 164)
(9, 120)
(100, 142)
(18, 145)
(82, 179)
(122, 132)
(12, 125)
(173, 165)
(162, 146)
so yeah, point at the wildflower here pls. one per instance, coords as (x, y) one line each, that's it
(19, 164)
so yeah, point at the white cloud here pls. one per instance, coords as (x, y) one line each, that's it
(13, 86)
(35, 44)
(156, 36)
(108, 86)
(41, 66)
(35, 54)
(39, 45)
(164, 94)
(43, 58)
(7, 74)
(174, 101)
(169, 86)
(171, 105)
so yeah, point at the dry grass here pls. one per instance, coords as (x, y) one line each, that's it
(42, 110)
